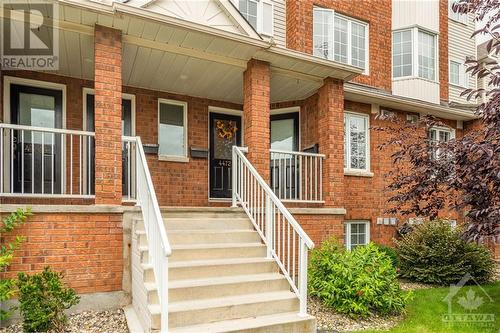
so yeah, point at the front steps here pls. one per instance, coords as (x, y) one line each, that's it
(219, 277)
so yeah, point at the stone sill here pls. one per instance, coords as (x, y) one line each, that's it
(358, 173)
(87, 209)
(318, 211)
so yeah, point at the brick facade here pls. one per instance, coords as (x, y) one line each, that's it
(87, 248)
(377, 13)
(256, 113)
(108, 115)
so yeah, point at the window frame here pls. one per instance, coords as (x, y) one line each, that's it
(260, 15)
(349, 20)
(168, 157)
(415, 54)
(438, 129)
(463, 78)
(347, 233)
(347, 152)
(457, 17)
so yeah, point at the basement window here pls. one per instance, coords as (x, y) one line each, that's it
(356, 233)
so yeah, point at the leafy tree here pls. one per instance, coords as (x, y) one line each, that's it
(463, 173)
(7, 286)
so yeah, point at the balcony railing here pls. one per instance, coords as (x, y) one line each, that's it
(45, 162)
(297, 176)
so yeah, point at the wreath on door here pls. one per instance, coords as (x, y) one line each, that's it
(226, 129)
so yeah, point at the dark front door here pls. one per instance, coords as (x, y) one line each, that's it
(126, 131)
(225, 132)
(37, 155)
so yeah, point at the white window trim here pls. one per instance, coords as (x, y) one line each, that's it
(347, 236)
(174, 158)
(463, 78)
(347, 155)
(439, 129)
(260, 14)
(414, 49)
(349, 19)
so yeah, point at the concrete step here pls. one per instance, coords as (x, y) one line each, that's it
(203, 223)
(213, 236)
(289, 322)
(183, 270)
(234, 307)
(183, 212)
(183, 290)
(217, 251)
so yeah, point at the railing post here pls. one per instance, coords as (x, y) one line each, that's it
(269, 226)
(233, 175)
(303, 278)
(164, 297)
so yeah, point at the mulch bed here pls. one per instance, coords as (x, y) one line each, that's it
(87, 322)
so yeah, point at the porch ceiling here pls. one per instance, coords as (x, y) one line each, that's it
(168, 54)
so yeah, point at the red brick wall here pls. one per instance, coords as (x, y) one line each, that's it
(108, 115)
(322, 227)
(87, 248)
(377, 13)
(256, 108)
(443, 49)
(176, 183)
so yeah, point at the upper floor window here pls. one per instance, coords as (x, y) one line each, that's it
(172, 129)
(458, 76)
(414, 54)
(340, 38)
(356, 142)
(259, 13)
(462, 18)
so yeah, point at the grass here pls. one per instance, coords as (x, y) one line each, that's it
(425, 311)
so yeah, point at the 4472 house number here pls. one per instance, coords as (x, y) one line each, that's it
(224, 163)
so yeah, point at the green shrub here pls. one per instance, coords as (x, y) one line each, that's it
(358, 282)
(435, 253)
(390, 252)
(43, 299)
(7, 286)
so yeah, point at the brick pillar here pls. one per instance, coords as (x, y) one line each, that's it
(108, 115)
(331, 140)
(256, 113)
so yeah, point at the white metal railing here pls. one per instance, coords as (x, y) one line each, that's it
(286, 241)
(129, 150)
(156, 234)
(45, 162)
(297, 176)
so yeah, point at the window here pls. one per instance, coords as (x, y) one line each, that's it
(259, 14)
(356, 142)
(340, 38)
(437, 136)
(426, 55)
(356, 233)
(414, 54)
(458, 76)
(172, 137)
(462, 18)
(402, 53)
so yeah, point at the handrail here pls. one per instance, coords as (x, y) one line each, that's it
(46, 129)
(156, 234)
(273, 222)
(302, 153)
